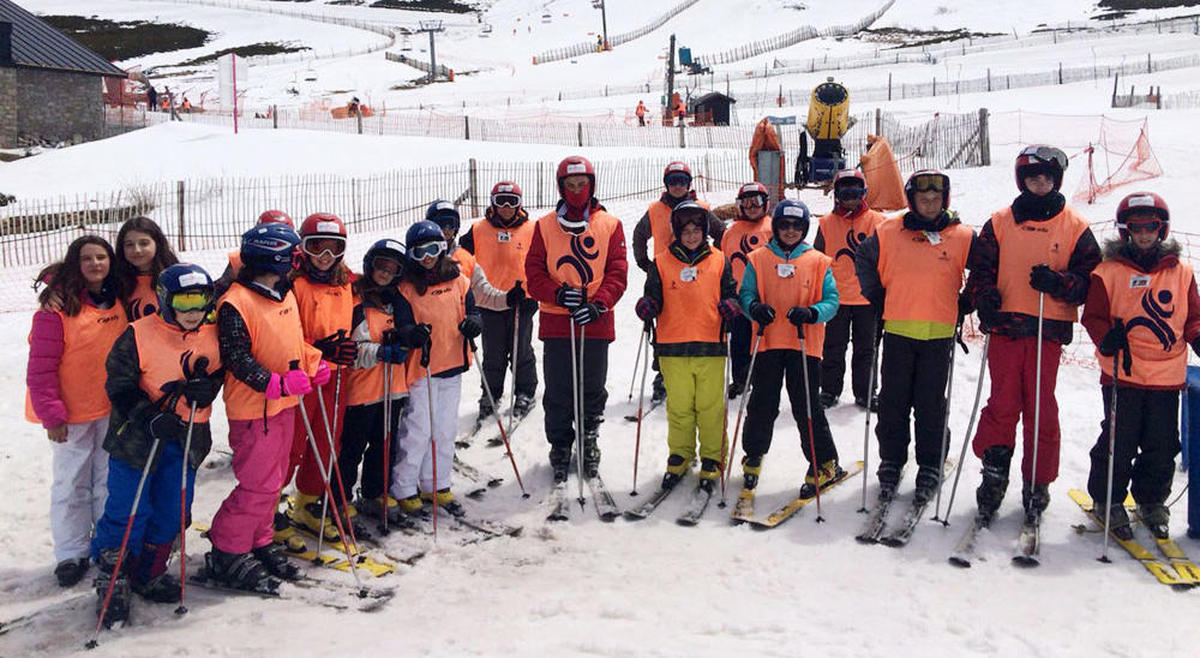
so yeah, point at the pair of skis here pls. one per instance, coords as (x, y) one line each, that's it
(874, 530)
(691, 515)
(560, 501)
(496, 441)
(1027, 549)
(743, 509)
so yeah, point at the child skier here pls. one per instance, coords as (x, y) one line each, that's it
(838, 235)
(66, 358)
(235, 257)
(160, 367)
(435, 317)
(911, 270)
(261, 341)
(788, 277)
(690, 290)
(751, 230)
(1143, 309)
(499, 243)
(380, 363)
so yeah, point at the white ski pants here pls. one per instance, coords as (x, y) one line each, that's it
(79, 489)
(414, 469)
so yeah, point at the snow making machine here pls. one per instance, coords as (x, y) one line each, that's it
(828, 121)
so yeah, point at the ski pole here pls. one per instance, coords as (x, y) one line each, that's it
(937, 507)
(579, 410)
(137, 498)
(633, 378)
(1112, 440)
(1037, 394)
(334, 470)
(741, 408)
(637, 442)
(725, 410)
(337, 517)
(970, 423)
(187, 448)
(387, 443)
(867, 423)
(503, 433)
(814, 464)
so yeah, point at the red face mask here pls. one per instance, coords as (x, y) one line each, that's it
(578, 199)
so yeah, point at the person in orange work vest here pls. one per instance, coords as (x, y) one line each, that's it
(235, 257)
(1143, 310)
(750, 230)
(1034, 262)
(640, 112)
(788, 278)
(691, 293)
(911, 271)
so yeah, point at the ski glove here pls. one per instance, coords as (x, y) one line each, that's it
(762, 313)
(964, 306)
(515, 296)
(391, 354)
(419, 335)
(201, 391)
(987, 303)
(569, 297)
(729, 310)
(168, 427)
(647, 309)
(324, 374)
(802, 315)
(470, 327)
(1044, 279)
(338, 348)
(292, 382)
(585, 314)
(1115, 339)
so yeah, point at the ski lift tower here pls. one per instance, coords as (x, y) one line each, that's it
(432, 27)
(599, 4)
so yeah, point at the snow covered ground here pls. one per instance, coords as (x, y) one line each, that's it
(651, 588)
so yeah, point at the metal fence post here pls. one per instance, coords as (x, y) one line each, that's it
(182, 224)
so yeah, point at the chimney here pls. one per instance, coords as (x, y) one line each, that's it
(6, 44)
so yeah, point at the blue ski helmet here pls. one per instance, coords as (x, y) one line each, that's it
(788, 209)
(444, 214)
(270, 248)
(184, 278)
(424, 239)
(388, 249)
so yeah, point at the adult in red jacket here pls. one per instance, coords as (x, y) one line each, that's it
(576, 270)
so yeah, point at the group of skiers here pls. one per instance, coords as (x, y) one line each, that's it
(330, 376)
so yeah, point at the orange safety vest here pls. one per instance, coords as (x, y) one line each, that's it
(443, 307)
(641, 110)
(235, 262)
(842, 237)
(1031, 243)
(163, 349)
(1154, 308)
(144, 300)
(576, 259)
(784, 283)
(501, 252)
(365, 385)
(324, 308)
(922, 278)
(276, 339)
(690, 296)
(741, 238)
(660, 224)
(466, 262)
(88, 336)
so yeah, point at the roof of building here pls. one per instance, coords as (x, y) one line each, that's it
(702, 100)
(37, 44)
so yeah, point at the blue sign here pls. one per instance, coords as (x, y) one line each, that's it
(783, 121)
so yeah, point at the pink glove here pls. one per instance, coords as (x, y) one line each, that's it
(324, 374)
(293, 382)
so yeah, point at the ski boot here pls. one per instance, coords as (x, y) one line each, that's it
(826, 472)
(306, 513)
(374, 508)
(928, 478)
(485, 411)
(1118, 520)
(751, 469)
(71, 571)
(828, 400)
(1157, 519)
(889, 479)
(560, 461)
(411, 505)
(273, 557)
(522, 405)
(872, 406)
(591, 452)
(990, 494)
(677, 467)
(1035, 498)
(710, 473)
(240, 571)
(118, 605)
(285, 534)
(148, 574)
(445, 500)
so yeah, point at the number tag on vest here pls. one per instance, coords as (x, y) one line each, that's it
(934, 237)
(688, 274)
(1139, 281)
(503, 236)
(785, 270)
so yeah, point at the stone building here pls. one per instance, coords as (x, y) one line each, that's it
(50, 85)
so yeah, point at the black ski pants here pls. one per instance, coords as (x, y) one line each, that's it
(772, 370)
(557, 400)
(1147, 442)
(498, 347)
(851, 324)
(913, 378)
(739, 348)
(363, 441)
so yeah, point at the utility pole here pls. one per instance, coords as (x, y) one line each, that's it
(432, 27)
(671, 78)
(604, 22)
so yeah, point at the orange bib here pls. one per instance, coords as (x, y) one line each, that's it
(501, 252)
(443, 307)
(1154, 307)
(466, 262)
(1024, 245)
(324, 309)
(785, 283)
(87, 338)
(576, 259)
(163, 349)
(144, 300)
(365, 386)
(741, 238)
(690, 296)
(922, 273)
(235, 262)
(842, 237)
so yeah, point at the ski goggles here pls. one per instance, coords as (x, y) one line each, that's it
(786, 224)
(678, 179)
(386, 265)
(318, 246)
(1144, 226)
(850, 193)
(930, 182)
(506, 200)
(427, 250)
(753, 201)
(191, 300)
(1042, 154)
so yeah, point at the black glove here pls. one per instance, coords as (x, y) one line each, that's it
(987, 303)
(167, 427)
(964, 306)
(470, 327)
(802, 315)
(647, 309)
(1044, 279)
(515, 296)
(391, 337)
(585, 314)
(201, 391)
(391, 354)
(1115, 339)
(568, 296)
(762, 313)
(337, 348)
(419, 335)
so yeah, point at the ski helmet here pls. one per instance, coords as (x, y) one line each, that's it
(444, 214)
(677, 170)
(754, 189)
(925, 180)
(688, 212)
(505, 192)
(1040, 159)
(323, 226)
(270, 248)
(576, 165)
(851, 180)
(789, 210)
(187, 284)
(1143, 202)
(424, 239)
(385, 249)
(275, 217)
